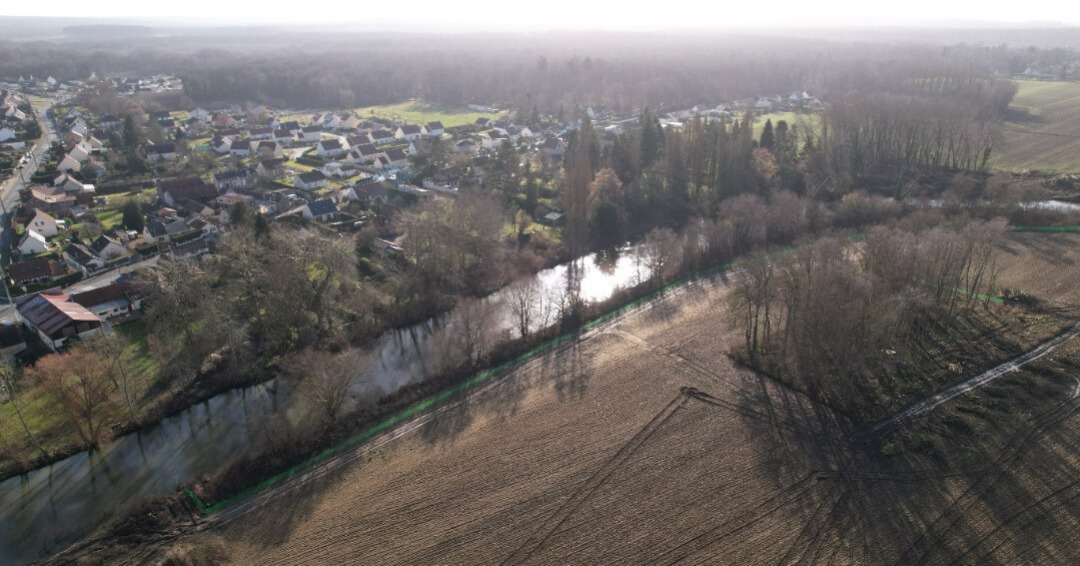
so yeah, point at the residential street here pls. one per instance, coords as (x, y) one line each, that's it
(9, 197)
(9, 190)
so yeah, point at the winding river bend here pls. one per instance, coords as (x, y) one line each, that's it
(48, 509)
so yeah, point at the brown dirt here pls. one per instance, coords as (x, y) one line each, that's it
(1046, 265)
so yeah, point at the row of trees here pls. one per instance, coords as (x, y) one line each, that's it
(893, 134)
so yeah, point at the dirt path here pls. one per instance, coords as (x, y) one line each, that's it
(923, 407)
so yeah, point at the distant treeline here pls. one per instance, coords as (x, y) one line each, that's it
(543, 72)
(108, 31)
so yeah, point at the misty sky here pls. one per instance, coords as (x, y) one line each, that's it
(520, 15)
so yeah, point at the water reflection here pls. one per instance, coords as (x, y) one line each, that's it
(46, 510)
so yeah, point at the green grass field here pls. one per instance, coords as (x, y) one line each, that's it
(46, 419)
(802, 121)
(1042, 131)
(419, 112)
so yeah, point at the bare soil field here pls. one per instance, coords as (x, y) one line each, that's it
(645, 443)
(1045, 265)
(1043, 129)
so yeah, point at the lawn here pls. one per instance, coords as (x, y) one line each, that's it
(1042, 129)
(45, 417)
(37, 102)
(419, 112)
(802, 121)
(109, 215)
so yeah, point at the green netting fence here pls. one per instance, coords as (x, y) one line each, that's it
(1044, 228)
(445, 394)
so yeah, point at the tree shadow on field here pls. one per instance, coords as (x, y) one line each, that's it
(451, 422)
(981, 480)
(279, 517)
(566, 368)
(1022, 115)
(664, 307)
(1046, 248)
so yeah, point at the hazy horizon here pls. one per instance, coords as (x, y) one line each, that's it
(426, 15)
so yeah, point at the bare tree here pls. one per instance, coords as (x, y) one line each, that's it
(113, 348)
(7, 374)
(82, 383)
(327, 380)
(474, 318)
(524, 299)
(664, 254)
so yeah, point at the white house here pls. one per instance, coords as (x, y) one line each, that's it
(364, 153)
(351, 122)
(348, 193)
(68, 163)
(396, 157)
(310, 134)
(80, 152)
(240, 148)
(553, 147)
(107, 248)
(160, 152)
(6, 134)
(310, 180)
(236, 179)
(270, 149)
(199, 114)
(68, 184)
(32, 243)
(381, 137)
(492, 139)
(331, 120)
(434, 129)
(260, 134)
(331, 147)
(270, 168)
(322, 210)
(283, 136)
(222, 144)
(80, 127)
(43, 224)
(408, 132)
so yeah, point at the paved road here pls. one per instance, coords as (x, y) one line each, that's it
(9, 190)
(108, 277)
(9, 196)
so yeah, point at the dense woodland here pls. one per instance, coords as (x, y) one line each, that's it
(548, 72)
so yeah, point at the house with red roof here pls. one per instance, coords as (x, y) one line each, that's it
(56, 318)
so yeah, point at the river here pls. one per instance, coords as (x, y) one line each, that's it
(48, 509)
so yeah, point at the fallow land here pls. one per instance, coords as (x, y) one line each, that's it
(644, 443)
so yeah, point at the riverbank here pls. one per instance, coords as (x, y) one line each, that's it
(165, 400)
(251, 474)
(167, 516)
